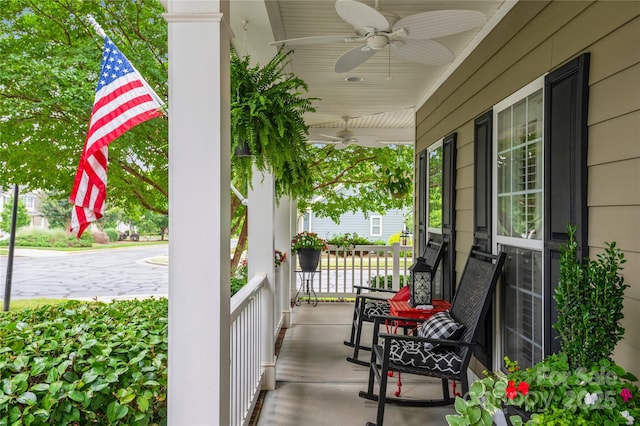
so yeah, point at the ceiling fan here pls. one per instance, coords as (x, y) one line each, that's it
(409, 38)
(345, 137)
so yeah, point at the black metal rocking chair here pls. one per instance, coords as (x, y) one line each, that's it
(368, 305)
(450, 358)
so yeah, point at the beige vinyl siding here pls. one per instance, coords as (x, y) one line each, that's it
(615, 139)
(533, 39)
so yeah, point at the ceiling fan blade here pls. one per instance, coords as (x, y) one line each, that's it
(422, 51)
(361, 15)
(439, 23)
(353, 58)
(369, 142)
(395, 143)
(322, 142)
(318, 40)
(335, 138)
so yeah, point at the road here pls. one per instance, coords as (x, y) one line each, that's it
(101, 273)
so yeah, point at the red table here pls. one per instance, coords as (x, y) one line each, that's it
(403, 309)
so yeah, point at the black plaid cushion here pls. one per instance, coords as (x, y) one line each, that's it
(439, 326)
(410, 353)
(376, 308)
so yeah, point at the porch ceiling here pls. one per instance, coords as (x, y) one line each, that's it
(385, 101)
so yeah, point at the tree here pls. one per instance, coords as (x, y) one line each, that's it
(22, 219)
(47, 84)
(48, 78)
(56, 209)
(363, 172)
(154, 223)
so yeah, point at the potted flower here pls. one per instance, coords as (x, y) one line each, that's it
(551, 393)
(308, 246)
(279, 257)
(397, 180)
(580, 385)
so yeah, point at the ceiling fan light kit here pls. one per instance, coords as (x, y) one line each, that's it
(409, 38)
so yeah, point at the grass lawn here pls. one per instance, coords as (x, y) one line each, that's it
(118, 244)
(20, 304)
(115, 244)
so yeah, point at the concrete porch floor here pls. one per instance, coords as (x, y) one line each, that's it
(315, 385)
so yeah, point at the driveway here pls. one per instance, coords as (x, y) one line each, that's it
(104, 274)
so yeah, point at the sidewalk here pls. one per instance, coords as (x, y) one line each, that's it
(38, 253)
(315, 385)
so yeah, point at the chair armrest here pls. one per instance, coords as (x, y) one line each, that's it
(383, 290)
(368, 297)
(443, 342)
(378, 319)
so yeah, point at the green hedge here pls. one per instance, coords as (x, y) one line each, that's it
(113, 234)
(35, 237)
(386, 281)
(85, 363)
(348, 240)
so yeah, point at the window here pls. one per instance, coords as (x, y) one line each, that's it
(376, 226)
(519, 167)
(518, 224)
(434, 178)
(29, 202)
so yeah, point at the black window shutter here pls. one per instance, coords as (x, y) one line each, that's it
(566, 94)
(482, 160)
(482, 218)
(449, 214)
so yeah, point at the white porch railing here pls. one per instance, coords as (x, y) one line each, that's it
(341, 269)
(246, 335)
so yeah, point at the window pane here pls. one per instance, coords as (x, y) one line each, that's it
(376, 226)
(504, 212)
(504, 172)
(522, 305)
(504, 130)
(435, 188)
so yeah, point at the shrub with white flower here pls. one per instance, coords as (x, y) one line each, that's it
(591, 398)
(627, 416)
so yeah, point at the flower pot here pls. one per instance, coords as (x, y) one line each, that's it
(243, 150)
(512, 410)
(400, 195)
(308, 259)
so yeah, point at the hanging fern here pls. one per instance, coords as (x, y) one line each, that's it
(267, 111)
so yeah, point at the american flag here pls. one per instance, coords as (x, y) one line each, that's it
(123, 100)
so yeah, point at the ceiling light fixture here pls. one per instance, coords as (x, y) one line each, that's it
(354, 79)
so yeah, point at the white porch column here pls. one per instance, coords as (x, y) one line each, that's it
(294, 226)
(283, 243)
(199, 212)
(261, 217)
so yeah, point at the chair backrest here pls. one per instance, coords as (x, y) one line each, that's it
(474, 293)
(433, 255)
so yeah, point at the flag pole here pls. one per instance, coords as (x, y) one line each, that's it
(98, 29)
(12, 245)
